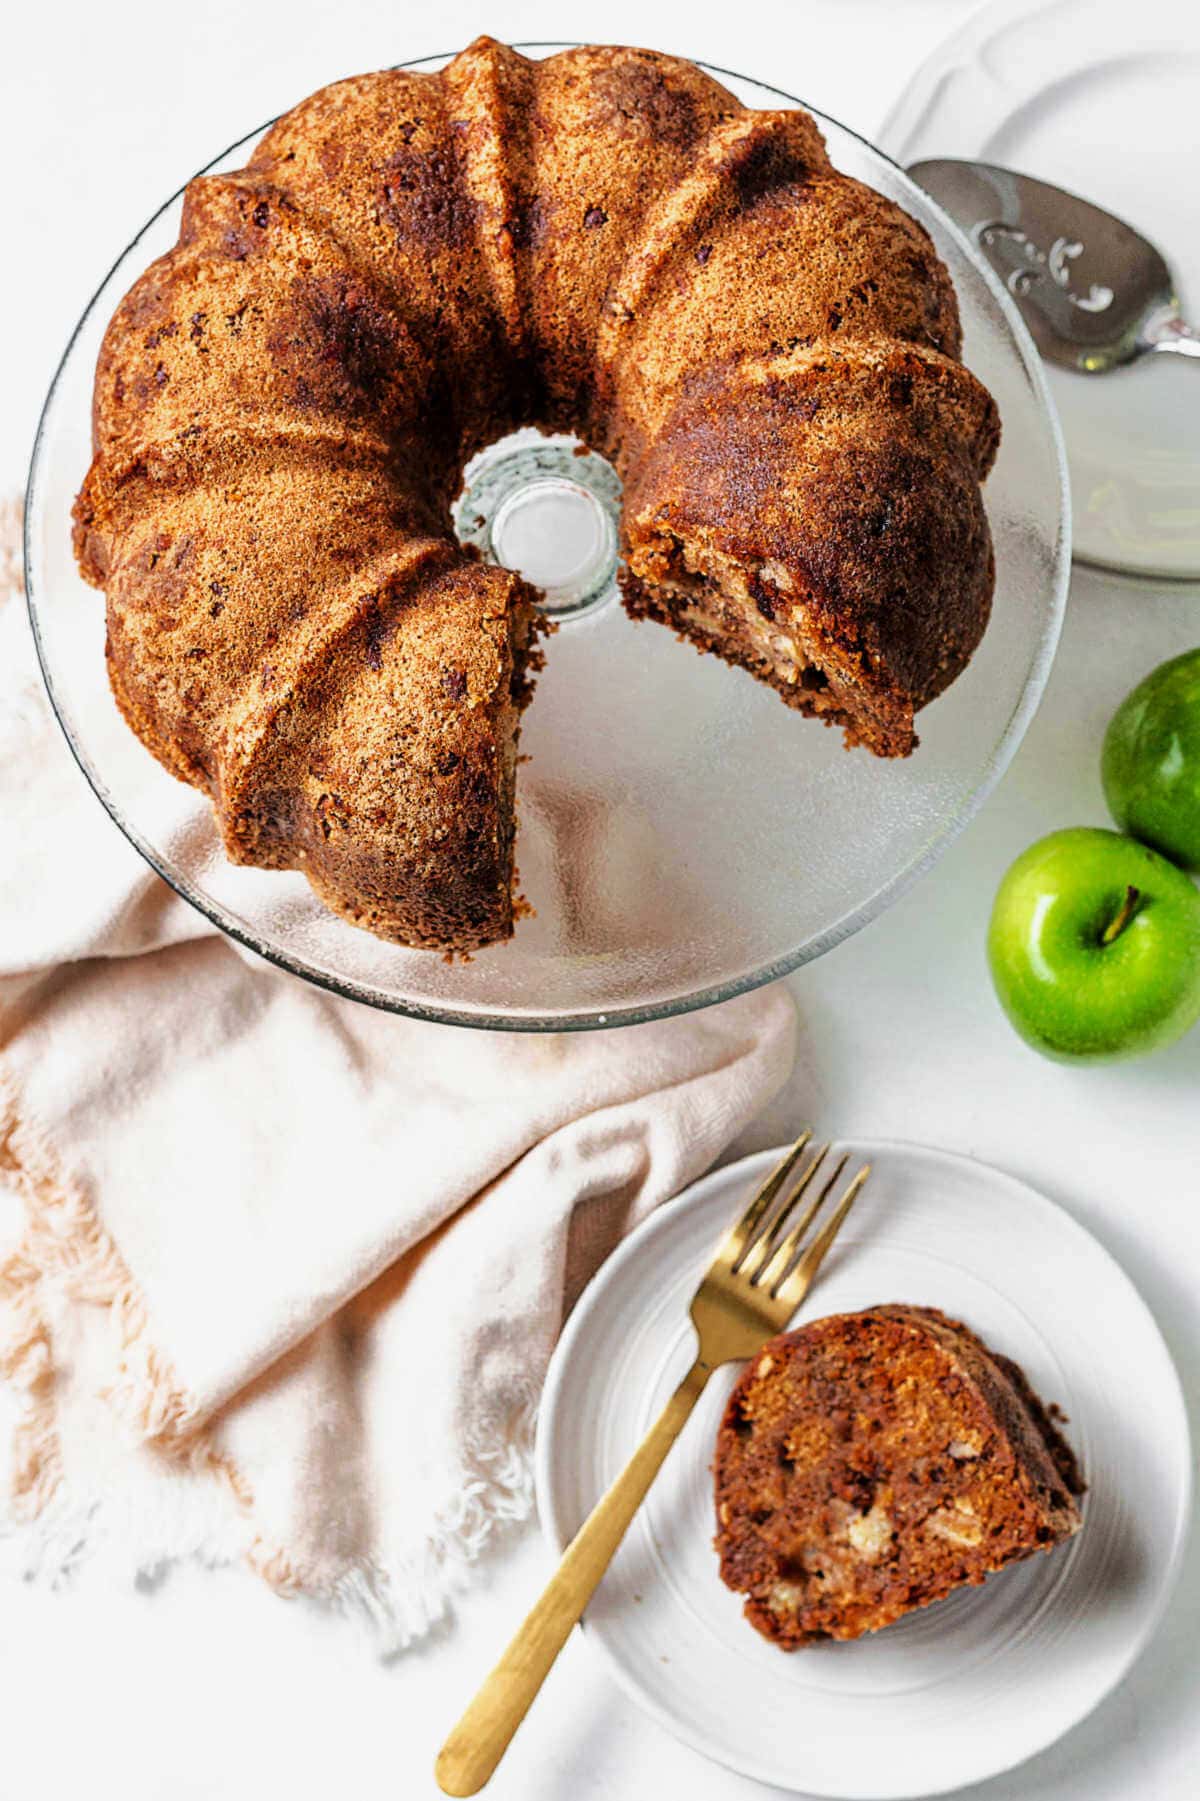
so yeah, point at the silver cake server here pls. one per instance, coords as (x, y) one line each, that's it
(1093, 292)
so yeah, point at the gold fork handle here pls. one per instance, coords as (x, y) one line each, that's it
(475, 1746)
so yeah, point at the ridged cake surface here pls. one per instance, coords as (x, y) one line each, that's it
(605, 242)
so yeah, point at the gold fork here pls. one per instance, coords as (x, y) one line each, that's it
(761, 1272)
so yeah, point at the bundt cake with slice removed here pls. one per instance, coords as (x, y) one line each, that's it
(607, 243)
(870, 1463)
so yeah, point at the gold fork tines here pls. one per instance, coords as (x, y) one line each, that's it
(789, 1285)
(771, 1242)
(754, 1224)
(763, 1268)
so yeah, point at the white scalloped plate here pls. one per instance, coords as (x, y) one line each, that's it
(1101, 98)
(959, 1691)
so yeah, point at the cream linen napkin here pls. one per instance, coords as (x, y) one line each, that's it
(284, 1273)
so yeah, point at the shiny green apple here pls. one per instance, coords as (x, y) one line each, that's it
(1094, 947)
(1150, 764)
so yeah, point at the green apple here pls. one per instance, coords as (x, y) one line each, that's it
(1094, 947)
(1150, 764)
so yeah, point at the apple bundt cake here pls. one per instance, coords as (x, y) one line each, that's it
(871, 1462)
(605, 242)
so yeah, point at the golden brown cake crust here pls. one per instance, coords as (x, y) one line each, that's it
(872, 1462)
(829, 500)
(411, 265)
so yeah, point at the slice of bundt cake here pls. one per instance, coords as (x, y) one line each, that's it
(870, 1463)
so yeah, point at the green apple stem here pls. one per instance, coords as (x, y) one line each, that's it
(1121, 919)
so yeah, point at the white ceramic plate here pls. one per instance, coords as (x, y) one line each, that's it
(1100, 98)
(959, 1691)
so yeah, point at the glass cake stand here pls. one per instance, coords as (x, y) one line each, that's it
(682, 835)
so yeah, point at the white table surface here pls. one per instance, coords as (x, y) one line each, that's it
(205, 1685)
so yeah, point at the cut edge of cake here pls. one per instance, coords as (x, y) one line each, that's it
(870, 1464)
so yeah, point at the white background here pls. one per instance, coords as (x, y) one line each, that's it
(204, 1685)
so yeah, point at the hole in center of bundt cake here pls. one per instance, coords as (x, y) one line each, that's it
(546, 507)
